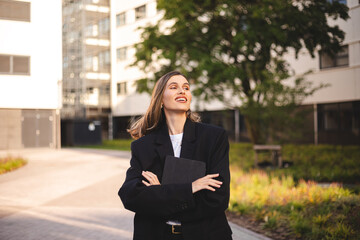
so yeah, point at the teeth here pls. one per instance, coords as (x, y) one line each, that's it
(181, 99)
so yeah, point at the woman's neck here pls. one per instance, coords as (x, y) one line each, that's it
(175, 122)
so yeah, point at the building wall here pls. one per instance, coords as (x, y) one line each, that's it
(40, 39)
(344, 82)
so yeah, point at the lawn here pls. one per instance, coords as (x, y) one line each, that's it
(303, 201)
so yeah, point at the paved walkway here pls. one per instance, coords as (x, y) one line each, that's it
(69, 194)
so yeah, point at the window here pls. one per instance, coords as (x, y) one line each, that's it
(15, 10)
(89, 63)
(104, 58)
(121, 54)
(340, 1)
(4, 64)
(17, 65)
(121, 88)
(339, 116)
(104, 26)
(120, 19)
(91, 30)
(339, 60)
(140, 12)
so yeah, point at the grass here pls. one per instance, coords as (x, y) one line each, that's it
(302, 209)
(118, 144)
(8, 164)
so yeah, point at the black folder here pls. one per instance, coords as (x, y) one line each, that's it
(182, 170)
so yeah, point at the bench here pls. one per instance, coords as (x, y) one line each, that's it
(275, 154)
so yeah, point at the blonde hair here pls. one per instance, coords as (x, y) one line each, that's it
(154, 114)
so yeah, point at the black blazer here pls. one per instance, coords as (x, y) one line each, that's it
(202, 214)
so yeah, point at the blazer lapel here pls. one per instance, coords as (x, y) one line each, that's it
(163, 143)
(187, 145)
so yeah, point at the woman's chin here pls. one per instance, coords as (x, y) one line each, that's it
(176, 110)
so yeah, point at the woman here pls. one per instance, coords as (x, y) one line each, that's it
(190, 211)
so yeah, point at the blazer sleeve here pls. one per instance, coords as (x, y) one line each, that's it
(208, 203)
(159, 200)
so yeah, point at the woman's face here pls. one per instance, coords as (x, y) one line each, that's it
(177, 95)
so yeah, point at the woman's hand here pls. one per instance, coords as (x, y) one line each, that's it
(152, 178)
(206, 182)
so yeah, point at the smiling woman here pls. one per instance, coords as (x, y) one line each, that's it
(183, 210)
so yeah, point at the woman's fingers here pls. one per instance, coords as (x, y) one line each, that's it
(212, 175)
(152, 178)
(206, 182)
(146, 183)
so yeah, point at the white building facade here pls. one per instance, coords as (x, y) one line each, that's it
(30, 73)
(336, 109)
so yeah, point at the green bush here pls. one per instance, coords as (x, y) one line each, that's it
(322, 163)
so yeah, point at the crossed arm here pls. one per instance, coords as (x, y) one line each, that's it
(209, 195)
(208, 182)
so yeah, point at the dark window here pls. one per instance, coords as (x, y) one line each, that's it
(19, 65)
(140, 12)
(4, 64)
(339, 60)
(121, 88)
(339, 116)
(15, 10)
(340, 1)
(120, 19)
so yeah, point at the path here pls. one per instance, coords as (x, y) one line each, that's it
(69, 194)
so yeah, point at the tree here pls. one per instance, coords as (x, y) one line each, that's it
(234, 49)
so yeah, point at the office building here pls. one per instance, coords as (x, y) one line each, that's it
(30, 73)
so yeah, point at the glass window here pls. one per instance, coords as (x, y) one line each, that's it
(339, 60)
(121, 88)
(121, 54)
(120, 19)
(21, 65)
(104, 58)
(4, 64)
(140, 12)
(340, 1)
(104, 26)
(89, 63)
(339, 116)
(91, 30)
(15, 10)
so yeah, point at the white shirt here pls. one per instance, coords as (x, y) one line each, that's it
(176, 143)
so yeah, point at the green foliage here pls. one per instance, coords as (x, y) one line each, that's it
(324, 163)
(117, 144)
(8, 164)
(238, 46)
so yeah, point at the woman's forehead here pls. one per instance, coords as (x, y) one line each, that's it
(179, 79)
